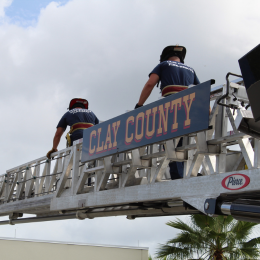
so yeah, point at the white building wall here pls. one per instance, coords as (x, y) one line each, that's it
(40, 250)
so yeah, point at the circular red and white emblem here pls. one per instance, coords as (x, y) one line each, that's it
(235, 181)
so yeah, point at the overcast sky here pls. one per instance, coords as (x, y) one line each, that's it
(103, 50)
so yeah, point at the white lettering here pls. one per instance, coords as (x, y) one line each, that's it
(76, 110)
(175, 64)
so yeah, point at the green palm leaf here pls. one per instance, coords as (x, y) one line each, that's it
(209, 238)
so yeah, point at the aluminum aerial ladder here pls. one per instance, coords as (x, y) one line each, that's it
(218, 179)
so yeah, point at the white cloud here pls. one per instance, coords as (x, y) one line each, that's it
(3, 5)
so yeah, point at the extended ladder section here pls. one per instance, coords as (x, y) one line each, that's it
(221, 175)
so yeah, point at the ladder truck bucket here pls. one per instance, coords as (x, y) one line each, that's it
(248, 121)
(250, 68)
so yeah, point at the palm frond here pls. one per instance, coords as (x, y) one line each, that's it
(187, 238)
(255, 242)
(243, 253)
(174, 252)
(179, 224)
(201, 221)
(242, 229)
(208, 237)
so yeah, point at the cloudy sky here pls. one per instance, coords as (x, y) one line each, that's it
(53, 51)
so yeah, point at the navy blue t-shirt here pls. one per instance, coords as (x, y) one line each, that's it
(77, 115)
(175, 73)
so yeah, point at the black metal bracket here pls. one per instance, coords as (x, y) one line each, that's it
(227, 89)
(210, 206)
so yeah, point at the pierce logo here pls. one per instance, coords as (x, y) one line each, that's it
(235, 181)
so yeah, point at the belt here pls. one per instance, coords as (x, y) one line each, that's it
(80, 125)
(172, 89)
(73, 128)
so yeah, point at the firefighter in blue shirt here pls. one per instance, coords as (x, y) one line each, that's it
(174, 77)
(171, 72)
(79, 117)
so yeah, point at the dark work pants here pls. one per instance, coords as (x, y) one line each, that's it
(72, 140)
(177, 168)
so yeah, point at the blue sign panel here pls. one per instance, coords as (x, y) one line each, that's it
(176, 115)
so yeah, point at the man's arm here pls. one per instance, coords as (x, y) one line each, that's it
(57, 136)
(148, 87)
(56, 141)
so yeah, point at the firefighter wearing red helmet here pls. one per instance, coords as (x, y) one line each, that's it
(79, 117)
(174, 77)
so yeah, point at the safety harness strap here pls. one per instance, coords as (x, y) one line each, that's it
(172, 89)
(73, 128)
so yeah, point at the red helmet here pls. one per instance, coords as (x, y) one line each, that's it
(82, 103)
